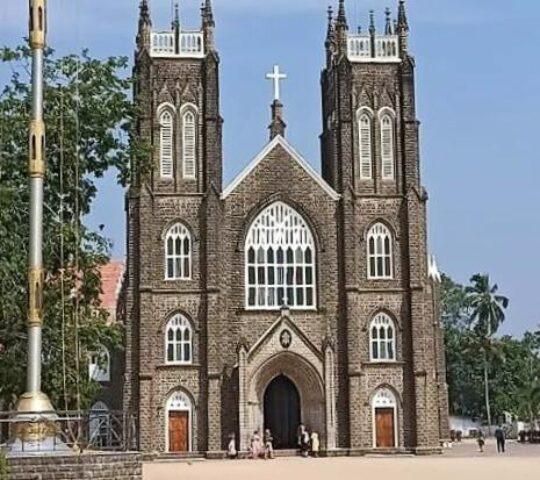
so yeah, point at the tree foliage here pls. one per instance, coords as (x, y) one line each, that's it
(470, 317)
(88, 115)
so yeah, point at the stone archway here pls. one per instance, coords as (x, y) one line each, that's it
(305, 379)
(282, 413)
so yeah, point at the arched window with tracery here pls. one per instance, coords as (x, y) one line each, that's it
(179, 341)
(387, 147)
(189, 144)
(166, 143)
(382, 334)
(366, 148)
(178, 253)
(280, 260)
(380, 256)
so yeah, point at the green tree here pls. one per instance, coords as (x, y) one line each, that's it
(88, 114)
(488, 313)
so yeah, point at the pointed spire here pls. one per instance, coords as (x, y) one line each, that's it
(145, 26)
(403, 23)
(330, 21)
(176, 19)
(342, 15)
(372, 29)
(208, 25)
(388, 28)
(402, 28)
(144, 13)
(208, 14)
(277, 125)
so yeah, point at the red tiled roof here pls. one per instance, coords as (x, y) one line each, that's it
(111, 282)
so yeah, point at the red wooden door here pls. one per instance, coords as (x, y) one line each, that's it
(385, 428)
(178, 432)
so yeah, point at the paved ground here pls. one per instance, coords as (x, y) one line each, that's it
(462, 462)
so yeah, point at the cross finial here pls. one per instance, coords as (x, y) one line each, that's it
(276, 76)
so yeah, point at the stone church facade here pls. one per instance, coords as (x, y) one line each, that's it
(287, 296)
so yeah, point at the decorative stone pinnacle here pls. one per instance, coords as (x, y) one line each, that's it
(372, 28)
(388, 29)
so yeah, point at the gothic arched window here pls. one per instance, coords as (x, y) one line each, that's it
(280, 260)
(189, 144)
(366, 149)
(166, 141)
(179, 341)
(382, 335)
(380, 261)
(178, 253)
(387, 147)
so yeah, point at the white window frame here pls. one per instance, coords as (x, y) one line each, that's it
(385, 324)
(189, 156)
(166, 151)
(179, 324)
(277, 228)
(387, 125)
(379, 233)
(384, 398)
(179, 401)
(99, 421)
(99, 365)
(365, 148)
(178, 232)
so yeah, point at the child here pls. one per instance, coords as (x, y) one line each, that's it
(268, 445)
(315, 444)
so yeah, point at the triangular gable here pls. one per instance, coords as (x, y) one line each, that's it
(285, 321)
(279, 140)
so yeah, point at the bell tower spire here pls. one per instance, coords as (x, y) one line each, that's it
(145, 26)
(208, 25)
(403, 27)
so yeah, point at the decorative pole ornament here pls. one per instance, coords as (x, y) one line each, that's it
(34, 403)
(276, 76)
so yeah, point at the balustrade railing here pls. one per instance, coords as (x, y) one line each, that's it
(381, 48)
(96, 430)
(190, 44)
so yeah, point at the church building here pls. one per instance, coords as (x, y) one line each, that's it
(288, 296)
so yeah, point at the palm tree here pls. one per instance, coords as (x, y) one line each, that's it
(488, 313)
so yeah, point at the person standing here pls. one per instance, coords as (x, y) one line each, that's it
(481, 440)
(268, 445)
(305, 442)
(256, 447)
(315, 444)
(501, 439)
(232, 453)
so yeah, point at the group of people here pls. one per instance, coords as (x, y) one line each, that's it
(308, 443)
(500, 436)
(264, 447)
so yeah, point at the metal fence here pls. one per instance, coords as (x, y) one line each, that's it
(95, 430)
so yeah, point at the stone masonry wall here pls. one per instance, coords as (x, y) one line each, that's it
(126, 466)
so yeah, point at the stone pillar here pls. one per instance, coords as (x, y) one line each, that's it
(330, 398)
(215, 443)
(242, 400)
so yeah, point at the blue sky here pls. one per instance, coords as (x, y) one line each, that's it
(478, 100)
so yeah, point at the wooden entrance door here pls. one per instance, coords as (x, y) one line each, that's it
(178, 431)
(385, 428)
(282, 412)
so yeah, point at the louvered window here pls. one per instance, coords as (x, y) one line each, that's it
(380, 261)
(366, 157)
(387, 147)
(189, 145)
(166, 144)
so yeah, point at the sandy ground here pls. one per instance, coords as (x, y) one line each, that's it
(462, 462)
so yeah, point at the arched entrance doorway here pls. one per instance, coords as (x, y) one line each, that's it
(282, 411)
